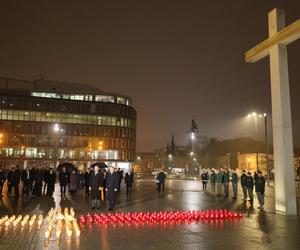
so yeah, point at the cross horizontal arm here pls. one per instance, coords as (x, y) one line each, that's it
(285, 36)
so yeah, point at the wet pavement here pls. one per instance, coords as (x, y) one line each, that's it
(257, 229)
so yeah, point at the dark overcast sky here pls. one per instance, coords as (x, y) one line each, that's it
(178, 60)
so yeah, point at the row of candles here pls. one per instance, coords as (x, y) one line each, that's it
(189, 216)
(57, 218)
(22, 220)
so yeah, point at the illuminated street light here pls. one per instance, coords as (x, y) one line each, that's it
(192, 153)
(193, 136)
(56, 127)
(264, 115)
(100, 147)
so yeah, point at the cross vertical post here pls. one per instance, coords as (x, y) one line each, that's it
(285, 193)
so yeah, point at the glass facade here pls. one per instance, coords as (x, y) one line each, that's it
(83, 97)
(45, 126)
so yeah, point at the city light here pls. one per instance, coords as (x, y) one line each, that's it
(100, 145)
(193, 136)
(56, 127)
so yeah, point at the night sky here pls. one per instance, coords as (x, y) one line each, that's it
(178, 60)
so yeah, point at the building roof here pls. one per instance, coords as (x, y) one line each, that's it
(50, 86)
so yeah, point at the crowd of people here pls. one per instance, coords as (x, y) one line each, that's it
(100, 184)
(220, 180)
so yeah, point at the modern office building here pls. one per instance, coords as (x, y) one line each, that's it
(49, 122)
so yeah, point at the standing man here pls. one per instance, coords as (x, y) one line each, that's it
(96, 183)
(234, 182)
(26, 180)
(260, 189)
(63, 181)
(38, 183)
(51, 182)
(46, 180)
(213, 179)
(2, 180)
(87, 181)
(16, 180)
(120, 173)
(129, 182)
(112, 184)
(244, 184)
(10, 180)
(250, 184)
(161, 178)
(219, 181)
(226, 183)
(204, 178)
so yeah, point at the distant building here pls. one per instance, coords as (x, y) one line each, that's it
(48, 122)
(240, 154)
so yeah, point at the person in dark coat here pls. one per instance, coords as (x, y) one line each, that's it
(204, 178)
(38, 183)
(219, 181)
(51, 182)
(120, 173)
(226, 183)
(112, 185)
(129, 181)
(234, 182)
(32, 174)
(63, 181)
(2, 180)
(260, 189)
(10, 180)
(250, 184)
(16, 180)
(26, 180)
(73, 182)
(87, 181)
(161, 181)
(80, 180)
(104, 182)
(46, 180)
(213, 179)
(244, 184)
(96, 184)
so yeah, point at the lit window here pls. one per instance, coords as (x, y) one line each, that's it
(88, 97)
(77, 97)
(121, 100)
(65, 96)
(104, 98)
(45, 95)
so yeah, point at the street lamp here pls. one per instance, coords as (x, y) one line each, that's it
(100, 145)
(254, 116)
(57, 129)
(265, 116)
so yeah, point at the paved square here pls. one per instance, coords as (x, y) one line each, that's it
(257, 229)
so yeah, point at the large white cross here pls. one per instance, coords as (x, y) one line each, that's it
(276, 47)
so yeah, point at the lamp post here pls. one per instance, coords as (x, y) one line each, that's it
(57, 130)
(254, 116)
(265, 116)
